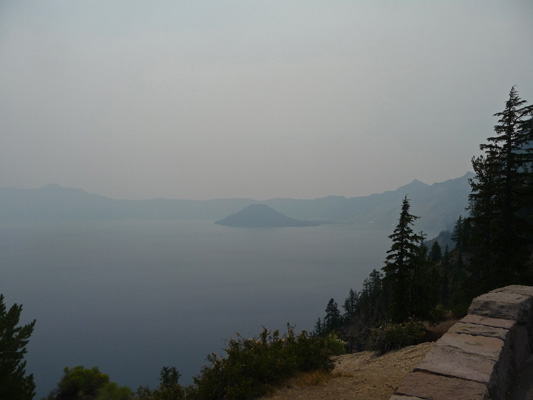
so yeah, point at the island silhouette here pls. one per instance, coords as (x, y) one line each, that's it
(262, 216)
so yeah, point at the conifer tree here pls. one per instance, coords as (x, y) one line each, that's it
(14, 383)
(445, 272)
(350, 304)
(460, 234)
(401, 265)
(435, 254)
(364, 310)
(425, 283)
(319, 327)
(500, 191)
(373, 299)
(333, 319)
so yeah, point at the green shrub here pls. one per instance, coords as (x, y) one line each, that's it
(437, 314)
(168, 389)
(459, 310)
(111, 391)
(391, 336)
(80, 383)
(254, 365)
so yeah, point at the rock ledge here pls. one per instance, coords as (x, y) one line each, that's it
(481, 354)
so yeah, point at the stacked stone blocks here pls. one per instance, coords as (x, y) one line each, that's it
(481, 354)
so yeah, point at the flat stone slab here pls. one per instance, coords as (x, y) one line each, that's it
(502, 304)
(490, 347)
(436, 387)
(518, 289)
(451, 362)
(465, 328)
(484, 346)
(487, 321)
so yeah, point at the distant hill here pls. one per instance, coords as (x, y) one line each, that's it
(438, 206)
(54, 202)
(262, 216)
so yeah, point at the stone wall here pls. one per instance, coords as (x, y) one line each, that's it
(481, 355)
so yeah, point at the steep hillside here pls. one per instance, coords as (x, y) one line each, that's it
(359, 376)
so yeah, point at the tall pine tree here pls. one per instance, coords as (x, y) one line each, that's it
(502, 185)
(333, 318)
(402, 266)
(14, 383)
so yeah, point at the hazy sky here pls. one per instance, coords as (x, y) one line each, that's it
(213, 99)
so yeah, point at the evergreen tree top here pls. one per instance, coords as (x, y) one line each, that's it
(510, 127)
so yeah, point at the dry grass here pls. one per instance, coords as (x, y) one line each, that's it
(314, 378)
(306, 379)
(359, 376)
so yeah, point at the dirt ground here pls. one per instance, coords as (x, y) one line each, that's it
(360, 376)
(364, 376)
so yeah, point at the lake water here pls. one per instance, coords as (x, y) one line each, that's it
(133, 296)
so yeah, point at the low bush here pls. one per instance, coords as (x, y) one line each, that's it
(168, 389)
(80, 383)
(389, 336)
(438, 314)
(254, 366)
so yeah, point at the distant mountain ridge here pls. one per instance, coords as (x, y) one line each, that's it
(439, 205)
(262, 216)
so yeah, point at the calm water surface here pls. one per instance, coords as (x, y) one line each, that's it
(133, 296)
